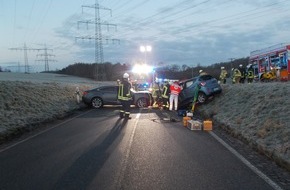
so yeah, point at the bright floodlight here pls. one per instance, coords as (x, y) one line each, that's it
(145, 48)
(148, 48)
(145, 69)
(142, 48)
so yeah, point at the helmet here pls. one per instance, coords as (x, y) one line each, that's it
(200, 71)
(240, 65)
(126, 75)
(222, 67)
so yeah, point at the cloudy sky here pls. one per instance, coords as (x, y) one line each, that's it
(180, 32)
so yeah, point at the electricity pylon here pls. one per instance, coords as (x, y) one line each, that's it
(46, 60)
(25, 49)
(99, 73)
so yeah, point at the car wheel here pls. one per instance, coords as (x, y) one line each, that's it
(97, 103)
(201, 97)
(142, 103)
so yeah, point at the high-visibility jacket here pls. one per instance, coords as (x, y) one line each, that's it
(165, 91)
(250, 74)
(124, 92)
(223, 74)
(242, 71)
(237, 73)
(155, 91)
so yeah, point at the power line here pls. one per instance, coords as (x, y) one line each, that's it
(207, 24)
(165, 13)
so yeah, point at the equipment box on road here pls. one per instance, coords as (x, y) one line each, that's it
(194, 125)
(207, 125)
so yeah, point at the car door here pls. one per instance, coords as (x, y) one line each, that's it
(187, 94)
(110, 94)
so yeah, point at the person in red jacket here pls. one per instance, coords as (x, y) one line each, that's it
(175, 89)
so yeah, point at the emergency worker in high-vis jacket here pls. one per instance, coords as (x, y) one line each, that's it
(155, 93)
(237, 76)
(223, 75)
(243, 73)
(124, 96)
(165, 95)
(250, 73)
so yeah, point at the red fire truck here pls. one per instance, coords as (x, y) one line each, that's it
(273, 57)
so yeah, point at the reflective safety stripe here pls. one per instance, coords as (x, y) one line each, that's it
(250, 74)
(165, 92)
(124, 98)
(164, 96)
(120, 93)
(127, 113)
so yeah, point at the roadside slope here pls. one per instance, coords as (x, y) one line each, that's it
(256, 113)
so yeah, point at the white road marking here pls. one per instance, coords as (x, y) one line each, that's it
(44, 131)
(126, 159)
(246, 162)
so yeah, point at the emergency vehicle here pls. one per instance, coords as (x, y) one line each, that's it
(273, 57)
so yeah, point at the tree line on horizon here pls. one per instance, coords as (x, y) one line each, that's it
(115, 71)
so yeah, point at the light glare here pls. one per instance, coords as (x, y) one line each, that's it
(142, 69)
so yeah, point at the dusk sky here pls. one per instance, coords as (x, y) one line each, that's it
(180, 32)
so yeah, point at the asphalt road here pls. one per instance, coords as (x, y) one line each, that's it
(97, 150)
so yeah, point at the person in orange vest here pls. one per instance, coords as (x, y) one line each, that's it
(175, 89)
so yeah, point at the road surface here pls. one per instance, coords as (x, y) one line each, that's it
(97, 150)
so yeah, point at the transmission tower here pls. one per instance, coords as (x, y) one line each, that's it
(25, 49)
(46, 59)
(99, 72)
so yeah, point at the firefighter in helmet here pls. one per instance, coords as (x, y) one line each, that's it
(243, 73)
(223, 75)
(236, 76)
(232, 75)
(165, 95)
(155, 94)
(124, 96)
(250, 73)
